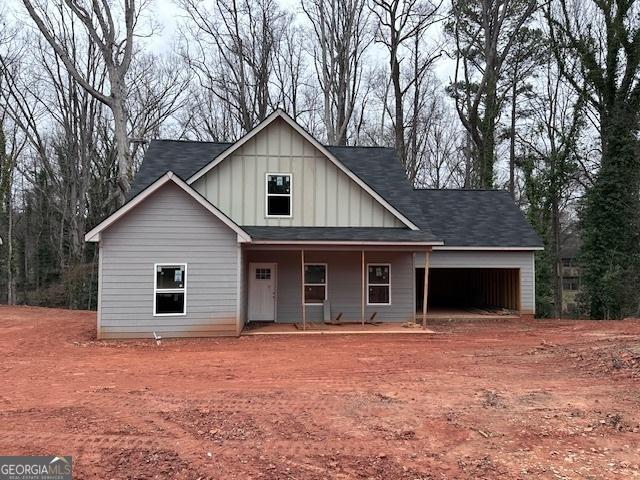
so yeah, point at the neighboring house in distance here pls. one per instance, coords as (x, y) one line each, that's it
(277, 227)
(570, 274)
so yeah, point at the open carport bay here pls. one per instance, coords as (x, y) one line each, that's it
(470, 288)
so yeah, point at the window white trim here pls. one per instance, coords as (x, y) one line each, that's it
(388, 285)
(325, 284)
(169, 290)
(267, 194)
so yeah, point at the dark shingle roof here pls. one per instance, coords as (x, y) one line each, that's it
(353, 234)
(184, 158)
(475, 218)
(487, 218)
(381, 170)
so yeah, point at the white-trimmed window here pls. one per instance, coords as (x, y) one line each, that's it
(170, 289)
(278, 189)
(315, 283)
(378, 284)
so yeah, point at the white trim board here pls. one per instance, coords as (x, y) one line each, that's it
(307, 136)
(94, 234)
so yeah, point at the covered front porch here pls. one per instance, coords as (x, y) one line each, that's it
(338, 288)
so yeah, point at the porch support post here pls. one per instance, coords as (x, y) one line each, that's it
(304, 312)
(425, 296)
(362, 290)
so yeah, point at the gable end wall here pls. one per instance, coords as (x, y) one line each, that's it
(323, 195)
(168, 227)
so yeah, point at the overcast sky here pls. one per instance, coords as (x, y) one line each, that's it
(166, 14)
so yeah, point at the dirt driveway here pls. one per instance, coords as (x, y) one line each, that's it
(536, 400)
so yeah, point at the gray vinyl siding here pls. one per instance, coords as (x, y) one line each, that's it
(523, 260)
(344, 276)
(168, 227)
(322, 195)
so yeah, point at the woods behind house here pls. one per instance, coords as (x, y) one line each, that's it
(537, 97)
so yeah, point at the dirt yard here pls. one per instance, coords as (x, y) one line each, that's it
(536, 400)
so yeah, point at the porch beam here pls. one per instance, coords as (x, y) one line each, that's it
(425, 296)
(362, 290)
(304, 310)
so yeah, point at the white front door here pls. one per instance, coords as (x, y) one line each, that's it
(262, 292)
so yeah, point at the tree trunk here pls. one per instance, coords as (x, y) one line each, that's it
(11, 287)
(118, 96)
(557, 260)
(399, 109)
(611, 249)
(512, 139)
(488, 126)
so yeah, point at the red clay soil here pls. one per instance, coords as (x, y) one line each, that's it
(527, 400)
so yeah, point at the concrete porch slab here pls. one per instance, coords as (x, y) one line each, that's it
(330, 329)
(461, 315)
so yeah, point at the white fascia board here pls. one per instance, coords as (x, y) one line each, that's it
(307, 136)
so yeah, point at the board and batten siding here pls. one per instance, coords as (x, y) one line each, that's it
(169, 227)
(344, 277)
(323, 195)
(522, 260)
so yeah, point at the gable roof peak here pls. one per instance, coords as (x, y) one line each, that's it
(326, 151)
(94, 234)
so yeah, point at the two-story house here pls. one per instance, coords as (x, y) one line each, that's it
(278, 227)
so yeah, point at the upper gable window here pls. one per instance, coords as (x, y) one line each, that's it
(279, 195)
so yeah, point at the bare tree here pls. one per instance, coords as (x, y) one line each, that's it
(442, 153)
(59, 122)
(550, 157)
(157, 93)
(231, 49)
(597, 47)
(401, 22)
(341, 34)
(291, 72)
(206, 118)
(528, 55)
(103, 30)
(485, 32)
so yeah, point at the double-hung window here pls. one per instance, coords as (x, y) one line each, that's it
(315, 283)
(170, 289)
(279, 186)
(379, 284)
